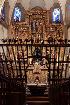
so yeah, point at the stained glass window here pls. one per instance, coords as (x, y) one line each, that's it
(56, 15)
(2, 12)
(69, 7)
(17, 14)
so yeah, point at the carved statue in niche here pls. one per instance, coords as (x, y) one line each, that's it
(37, 73)
(34, 26)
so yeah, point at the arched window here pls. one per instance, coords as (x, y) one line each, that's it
(56, 15)
(2, 12)
(17, 14)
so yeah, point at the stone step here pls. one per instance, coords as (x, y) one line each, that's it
(37, 98)
(37, 103)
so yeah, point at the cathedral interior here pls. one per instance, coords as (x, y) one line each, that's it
(35, 52)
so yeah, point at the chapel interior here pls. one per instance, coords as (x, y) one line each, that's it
(34, 52)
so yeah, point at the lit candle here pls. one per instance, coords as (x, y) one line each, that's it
(30, 60)
(57, 59)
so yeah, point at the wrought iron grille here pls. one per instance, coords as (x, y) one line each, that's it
(17, 56)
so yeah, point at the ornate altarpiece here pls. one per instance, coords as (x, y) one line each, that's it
(38, 27)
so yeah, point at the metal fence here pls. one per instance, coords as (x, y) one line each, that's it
(17, 55)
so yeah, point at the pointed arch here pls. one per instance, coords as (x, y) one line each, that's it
(18, 13)
(37, 8)
(56, 14)
(4, 14)
(39, 3)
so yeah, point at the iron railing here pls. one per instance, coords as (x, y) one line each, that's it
(15, 55)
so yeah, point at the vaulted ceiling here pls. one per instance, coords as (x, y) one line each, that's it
(28, 4)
